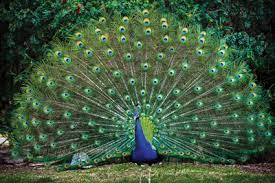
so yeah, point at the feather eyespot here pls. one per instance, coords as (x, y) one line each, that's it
(165, 39)
(184, 31)
(78, 35)
(164, 25)
(103, 38)
(148, 31)
(199, 52)
(146, 22)
(110, 52)
(80, 44)
(202, 34)
(122, 29)
(98, 31)
(145, 12)
(125, 20)
(221, 52)
(102, 20)
(123, 39)
(182, 39)
(139, 45)
(162, 20)
(201, 40)
(89, 53)
(58, 53)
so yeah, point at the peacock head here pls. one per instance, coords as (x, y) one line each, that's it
(136, 113)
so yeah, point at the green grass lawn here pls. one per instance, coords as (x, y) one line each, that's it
(165, 173)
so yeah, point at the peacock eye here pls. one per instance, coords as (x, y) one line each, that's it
(123, 39)
(221, 52)
(155, 81)
(35, 104)
(87, 91)
(78, 35)
(145, 12)
(184, 31)
(199, 52)
(86, 108)
(182, 39)
(162, 20)
(122, 29)
(67, 60)
(171, 72)
(145, 66)
(148, 31)
(89, 53)
(176, 92)
(213, 70)
(197, 89)
(47, 110)
(139, 45)
(111, 91)
(160, 56)
(102, 20)
(172, 49)
(51, 84)
(159, 110)
(146, 22)
(96, 69)
(103, 39)
(117, 74)
(128, 56)
(110, 52)
(132, 81)
(165, 39)
(199, 104)
(58, 53)
(142, 92)
(239, 76)
(185, 66)
(222, 64)
(125, 20)
(98, 31)
(253, 95)
(159, 97)
(79, 44)
(201, 40)
(42, 78)
(202, 34)
(164, 25)
(252, 85)
(70, 79)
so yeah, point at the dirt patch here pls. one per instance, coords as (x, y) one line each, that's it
(259, 168)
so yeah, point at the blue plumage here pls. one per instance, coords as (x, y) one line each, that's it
(143, 152)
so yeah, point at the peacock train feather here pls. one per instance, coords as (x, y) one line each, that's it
(179, 86)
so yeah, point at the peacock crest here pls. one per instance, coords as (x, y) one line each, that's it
(194, 100)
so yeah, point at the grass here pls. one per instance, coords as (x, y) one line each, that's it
(126, 173)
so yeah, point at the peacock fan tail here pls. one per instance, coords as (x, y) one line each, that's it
(194, 100)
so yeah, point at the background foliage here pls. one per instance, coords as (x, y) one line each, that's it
(27, 27)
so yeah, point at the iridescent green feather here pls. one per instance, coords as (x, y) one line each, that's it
(196, 102)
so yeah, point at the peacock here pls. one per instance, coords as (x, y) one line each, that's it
(140, 87)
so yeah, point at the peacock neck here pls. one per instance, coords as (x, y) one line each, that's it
(140, 139)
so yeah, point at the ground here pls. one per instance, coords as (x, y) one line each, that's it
(21, 172)
(128, 172)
